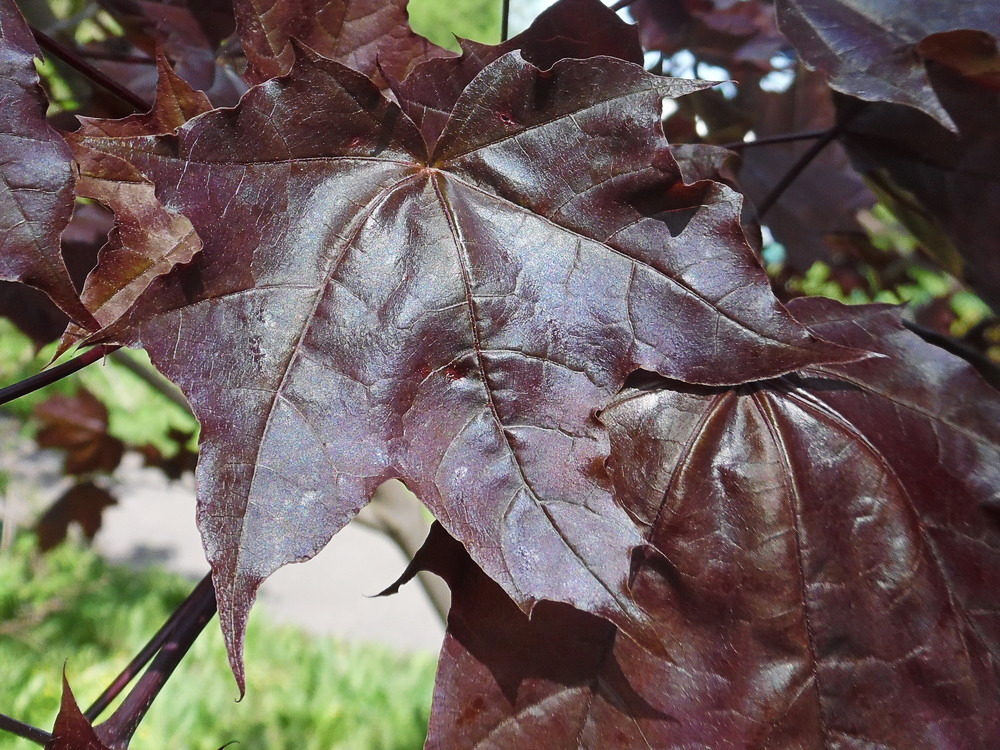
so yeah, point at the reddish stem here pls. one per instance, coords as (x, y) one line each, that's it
(198, 609)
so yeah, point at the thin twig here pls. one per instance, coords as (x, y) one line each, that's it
(621, 4)
(805, 135)
(803, 161)
(148, 652)
(87, 70)
(28, 732)
(505, 21)
(48, 377)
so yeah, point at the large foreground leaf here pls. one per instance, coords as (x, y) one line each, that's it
(36, 199)
(823, 566)
(362, 310)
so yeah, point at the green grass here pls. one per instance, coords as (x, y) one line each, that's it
(303, 692)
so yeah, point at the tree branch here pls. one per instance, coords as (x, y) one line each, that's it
(87, 70)
(148, 651)
(48, 377)
(26, 731)
(192, 618)
(805, 135)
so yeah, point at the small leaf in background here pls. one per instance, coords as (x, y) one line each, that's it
(940, 184)
(870, 48)
(79, 425)
(190, 32)
(82, 504)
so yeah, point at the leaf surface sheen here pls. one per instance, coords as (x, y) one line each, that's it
(823, 562)
(362, 311)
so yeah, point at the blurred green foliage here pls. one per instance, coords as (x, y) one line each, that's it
(304, 692)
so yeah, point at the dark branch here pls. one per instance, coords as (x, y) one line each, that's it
(803, 161)
(505, 21)
(148, 652)
(621, 4)
(48, 377)
(198, 609)
(26, 731)
(805, 135)
(76, 62)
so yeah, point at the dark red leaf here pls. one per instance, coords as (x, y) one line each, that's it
(720, 32)
(37, 197)
(72, 730)
(870, 48)
(353, 32)
(823, 563)
(362, 311)
(571, 28)
(82, 504)
(79, 425)
(940, 184)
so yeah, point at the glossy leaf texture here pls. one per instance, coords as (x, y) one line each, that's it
(364, 310)
(941, 185)
(871, 48)
(366, 35)
(822, 559)
(36, 201)
(571, 28)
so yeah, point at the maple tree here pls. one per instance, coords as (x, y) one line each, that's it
(673, 509)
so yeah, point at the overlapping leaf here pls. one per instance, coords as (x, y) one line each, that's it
(823, 565)
(571, 28)
(870, 48)
(363, 34)
(363, 310)
(942, 185)
(36, 201)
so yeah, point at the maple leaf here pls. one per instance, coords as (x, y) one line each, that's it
(823, 562)
(189, 31)
(79, 425)
(37, 200)
(870, 48)
(364, 310)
